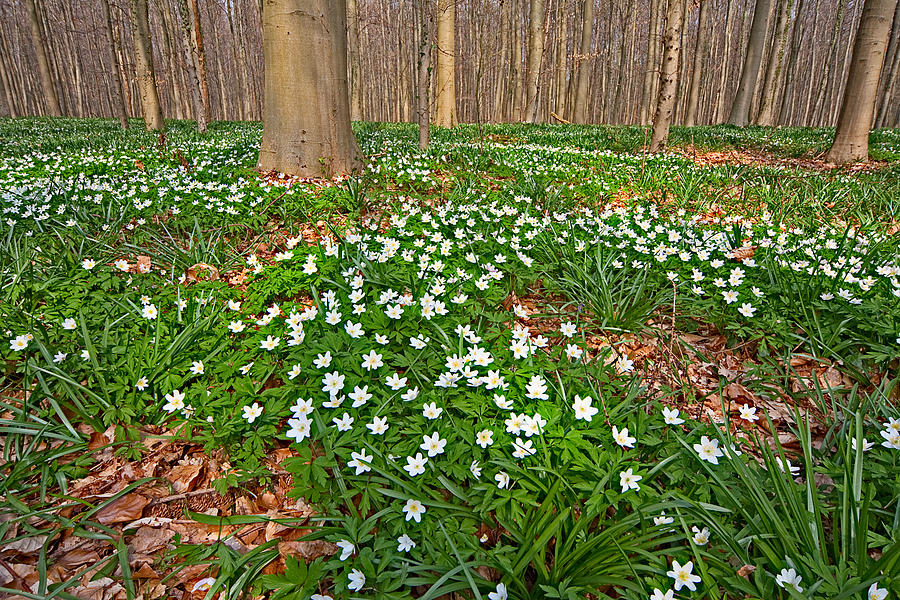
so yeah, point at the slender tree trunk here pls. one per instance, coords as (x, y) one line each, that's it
(818, 108)
(119, 93)
(789, 81)
(889, 73)
(306, 118)
(505, 65)
(199, 52)
(651, 73)
(516, 106)
(559, 104)
(773, 69)
(40, 50)
(583, 62)
(191, 63)
(668, 81)
(445, 74)
(851, 139)
(171, 96)
(726, 63)
(425, 22)
(535, 56)
(697, 70)
(740, 108)
(353, 46)
(143, 53)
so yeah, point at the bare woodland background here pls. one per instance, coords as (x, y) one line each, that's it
(616, 50)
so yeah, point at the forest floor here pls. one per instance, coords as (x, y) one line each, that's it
(529, 361)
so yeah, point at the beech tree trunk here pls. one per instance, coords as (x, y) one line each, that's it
(690, 118)
(306, 114)
(445, 74)
(191, 63)
(353, 57)
(668, 80)
(851, 139)
(117, 91)
(766, 114)
(582, 101)
(889, 71)
(502, 85)
(423, 71)
(740, 108)
(143, 57)
(40, 50)
(199, 54)
(535, 55)
(651, 73)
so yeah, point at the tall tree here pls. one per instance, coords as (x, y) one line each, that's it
(191, 63)
(582, 101)
(353, 57)
(889, 72)
(198, 52)
(306, 113)
(668, 78)
(693, 102)
(425, 20)
(740, 108)
(772, 79)
(651, 74)
(118, 91)
(851, 139)
(535, 56)
(143, 57)
(445, 74)
(39, 42)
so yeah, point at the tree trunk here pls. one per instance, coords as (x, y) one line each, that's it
(423, 85)
(740, 108)
(851, 139)
(650, 73)
(818, 108)
(143, 56)
(119, 93)
(668, 81)
(199, 54)
(583, 62)
(721, 100)
(353, 47)
(445, 101)
(773, 69)
(505, 65)
(535, 55)
(690, 118)
(789, 82)
(191, 63)
(889, 72)
(559, 104)
(306, 117)
(516, 107)
(40, 49)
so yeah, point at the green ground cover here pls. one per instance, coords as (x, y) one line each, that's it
(483, 361)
